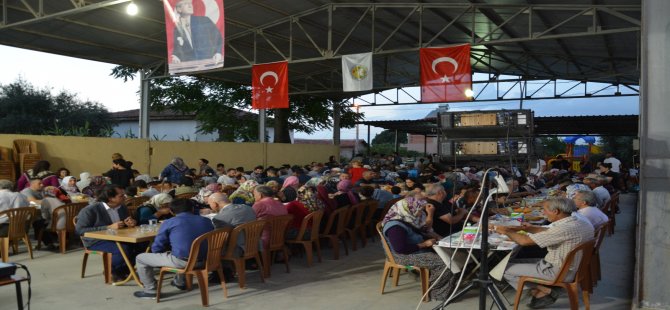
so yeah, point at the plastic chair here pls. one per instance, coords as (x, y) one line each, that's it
(25, 153)
(277, 226)
(334, 231)
(216, 241)
(133, 203)
(581, 277)
(354, 222)
(252, 236)
(313, 219)
(106, 259)
(595, 261)
(390, 266)
(71, 210)
(19, 219)
(368, 224)
(185, 196)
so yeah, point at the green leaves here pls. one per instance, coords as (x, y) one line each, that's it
(225, 107)
(25, 109)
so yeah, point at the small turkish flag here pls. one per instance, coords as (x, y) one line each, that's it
(269, 86)
(445, 73)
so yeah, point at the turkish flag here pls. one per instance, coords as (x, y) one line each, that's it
(445, 73)
(269, 86)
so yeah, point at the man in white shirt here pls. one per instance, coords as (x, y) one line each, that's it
(586, 206)
(539, 168)
(601, 193)
(228, 178)
(9, 200)
(616, 164)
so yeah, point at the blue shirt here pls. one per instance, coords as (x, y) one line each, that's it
(178, 234)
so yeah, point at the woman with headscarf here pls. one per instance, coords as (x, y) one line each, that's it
(69, 185)
(155, 208)
(97, 183)
(50, 202)
(405, 229)
(175, 171)
(413, 184)
(207, 191)
(345, 195)
(290, 189)
(39, 171)
(244, 194)
(84, 180)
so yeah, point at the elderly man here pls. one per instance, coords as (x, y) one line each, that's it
(229, 214)
(563, 235)
(9, 200)
(108, 213)
(172, 246)
(596, 185)
(587, 206)
(446, 219)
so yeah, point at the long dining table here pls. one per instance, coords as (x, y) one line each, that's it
(132, 235)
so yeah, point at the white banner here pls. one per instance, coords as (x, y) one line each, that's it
(357, 72)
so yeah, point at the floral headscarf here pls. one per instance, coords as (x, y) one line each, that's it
(65, 184)
(408, 210)
(97, 183)
(573, 188)
(308, 197)
(159, 199)
(345, 187)
(291, 181)
(207, 191)
(245, 193)
(314, 182)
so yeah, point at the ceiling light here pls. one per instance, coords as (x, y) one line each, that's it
(131, 9)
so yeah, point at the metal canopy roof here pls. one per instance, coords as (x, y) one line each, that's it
(595, 40)
(602, 125)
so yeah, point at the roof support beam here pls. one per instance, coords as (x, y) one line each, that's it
(40, 16)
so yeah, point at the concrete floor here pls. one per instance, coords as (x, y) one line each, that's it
(349, 283)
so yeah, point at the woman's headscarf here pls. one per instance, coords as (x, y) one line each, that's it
(308, 196)
(159, 199)
(408, 210)
(97, 183)
(291, 181)
(245, 193)
(345, 187)
(84, 180)
(572, 189)
(207, 191)
(65, 184)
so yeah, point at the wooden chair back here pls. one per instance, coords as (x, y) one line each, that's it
(17, 219)
(252, 235)
(135, 201)
(337, 221)
(387, 248)
(185, 196)
(216, 241)
(585, 252)
(28, 160)
(5, 154)
(370, 211)
(71, 211)
(7, 171)
(22, 146)
(313, 220)
(278, 225)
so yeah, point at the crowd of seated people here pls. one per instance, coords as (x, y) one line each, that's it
(428, 201)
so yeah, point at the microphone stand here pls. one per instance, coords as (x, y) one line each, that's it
(483, 282)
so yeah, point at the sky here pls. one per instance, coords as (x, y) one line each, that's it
(91, 80)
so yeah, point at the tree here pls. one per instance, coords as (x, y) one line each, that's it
(25, 109)
(550, 146)
(216, 103)
(388, 137)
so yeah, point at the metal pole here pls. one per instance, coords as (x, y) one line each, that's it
(144, 105)
(356, 142)
(368, 152)
(396, 140)
(336, 123)
(261, 126)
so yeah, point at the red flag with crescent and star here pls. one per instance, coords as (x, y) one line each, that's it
(269, 86)
(445, 74)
